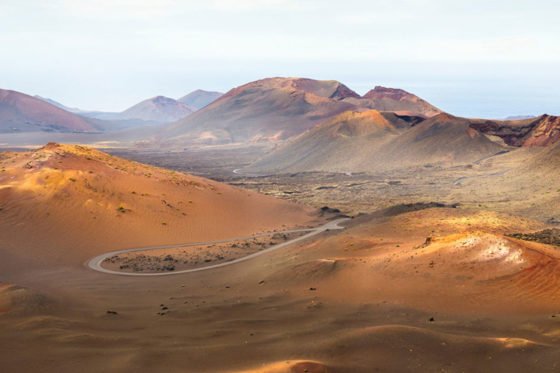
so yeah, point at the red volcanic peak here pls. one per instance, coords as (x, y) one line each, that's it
(384, 92)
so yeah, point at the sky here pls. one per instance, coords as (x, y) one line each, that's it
(491, 58)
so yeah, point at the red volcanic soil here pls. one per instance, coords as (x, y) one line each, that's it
(20, 112)
(545, 132)
(384, 92)
(542, 131)
(398, 100)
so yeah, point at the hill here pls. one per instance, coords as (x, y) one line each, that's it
(23, 113)
(59, 105)
(540, 131)
(158, 109)
(370, 141)
(200, 98)
(155, 110)
(66, 203)
(397, 100)
(265, 110)
(340, 144)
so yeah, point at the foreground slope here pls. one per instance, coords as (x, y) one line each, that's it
(22, 113)
(427, 290)
(68, 203)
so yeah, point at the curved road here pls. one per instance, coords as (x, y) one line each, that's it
(96, 262)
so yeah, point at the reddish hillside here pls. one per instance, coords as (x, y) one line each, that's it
(22, 113)
(398, 100)
(265, 110)
(541, 131)
(281, 108)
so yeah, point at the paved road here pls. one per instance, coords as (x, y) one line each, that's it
(96, 262)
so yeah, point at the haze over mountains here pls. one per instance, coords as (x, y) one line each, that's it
(318, 126)
(155, 110)
(200, 98)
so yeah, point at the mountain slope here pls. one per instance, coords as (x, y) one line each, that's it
(22, 113)
(397, 100)
(159, 109)
(443, 139)
(269, 109)
(54, 200)
(276, 109)
(59, 105)
(370, 141)
(540, 131)
(339, 144)
(200, 98)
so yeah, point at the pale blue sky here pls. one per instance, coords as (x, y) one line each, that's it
(476, 58)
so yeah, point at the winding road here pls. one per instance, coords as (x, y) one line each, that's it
(96, 262)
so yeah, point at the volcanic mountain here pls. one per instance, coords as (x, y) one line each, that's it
(269, 109)
(341, 143)
(155, 110)
(158, 109)
(398, 101)
(540, 131)
(59, 105)
(23, 113)
(372, 140)
(198, 99)
(280, 108)
(64, 202)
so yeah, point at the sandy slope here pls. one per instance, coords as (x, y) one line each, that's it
(68, 203)
(350, 301)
